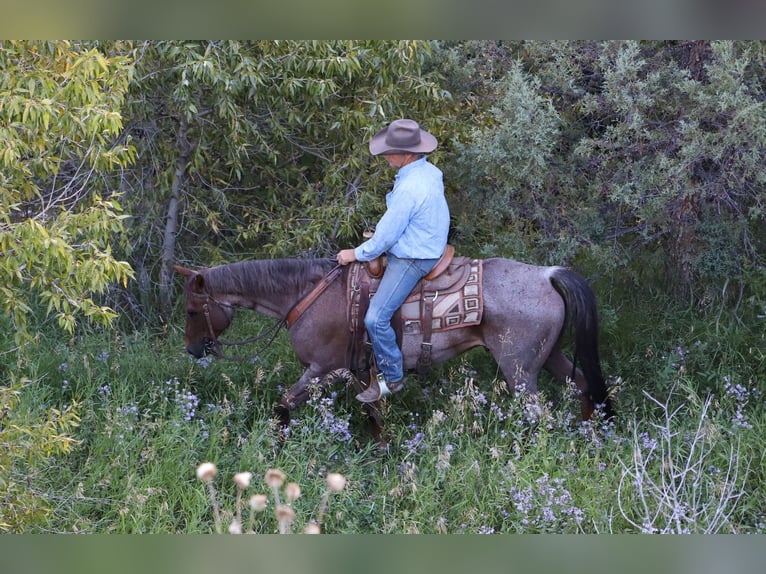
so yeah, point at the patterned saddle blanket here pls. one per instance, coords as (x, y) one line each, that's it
(452, 300)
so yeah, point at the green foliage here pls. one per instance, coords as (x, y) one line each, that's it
(614, 151)
(260, 147)
(28, 442)
(511, 164)
(642, 161)
(60, 122)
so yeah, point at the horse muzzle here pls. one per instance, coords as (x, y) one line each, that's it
(201, 348)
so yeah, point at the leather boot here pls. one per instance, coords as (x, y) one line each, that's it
(379, 388)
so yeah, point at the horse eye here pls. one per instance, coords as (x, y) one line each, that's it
(192, 313)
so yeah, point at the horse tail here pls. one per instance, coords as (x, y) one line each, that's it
(582, 314)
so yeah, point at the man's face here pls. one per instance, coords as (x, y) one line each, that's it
(398, 160)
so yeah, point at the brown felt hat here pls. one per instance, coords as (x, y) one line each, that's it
(402, 136)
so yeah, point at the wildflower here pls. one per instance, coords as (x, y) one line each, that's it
(187, 402)
(242, 479)
(274, 478)
(292, 491)
(206, 471)
(415, 442)
(312, 528)
(337, 426)
(336, 482)
(259, 502)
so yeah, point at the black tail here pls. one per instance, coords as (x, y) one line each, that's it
(582, 314)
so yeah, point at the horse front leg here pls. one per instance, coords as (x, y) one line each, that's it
(313, 382)
(295, 396)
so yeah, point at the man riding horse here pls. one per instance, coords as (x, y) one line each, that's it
(413, 235)
(517, 311)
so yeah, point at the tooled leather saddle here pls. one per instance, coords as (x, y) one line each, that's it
(449, 297)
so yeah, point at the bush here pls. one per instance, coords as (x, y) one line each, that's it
(28, 443)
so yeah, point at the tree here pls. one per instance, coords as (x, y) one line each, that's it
(260, 147)
(59, 123)
(645, 156)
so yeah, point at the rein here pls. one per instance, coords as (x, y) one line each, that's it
(214, 345)
(308, 300)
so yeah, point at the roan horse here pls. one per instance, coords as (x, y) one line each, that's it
(526, 310)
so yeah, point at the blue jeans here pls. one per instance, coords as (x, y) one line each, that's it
(399, 279)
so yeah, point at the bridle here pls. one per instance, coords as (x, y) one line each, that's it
(213, 344)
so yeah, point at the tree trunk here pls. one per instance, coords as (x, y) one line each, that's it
(683, 247)
(171, 221)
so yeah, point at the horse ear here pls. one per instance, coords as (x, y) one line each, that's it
(183, 271)
(198, 283)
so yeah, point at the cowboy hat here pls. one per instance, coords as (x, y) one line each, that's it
(402, 136)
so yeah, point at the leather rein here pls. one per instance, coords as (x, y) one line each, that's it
(214, 344)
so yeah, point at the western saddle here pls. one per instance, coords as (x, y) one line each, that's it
(448, 281)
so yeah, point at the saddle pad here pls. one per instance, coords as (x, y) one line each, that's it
(461, 306)
(458, 293)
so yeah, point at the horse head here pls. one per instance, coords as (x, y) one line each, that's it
(206, 317)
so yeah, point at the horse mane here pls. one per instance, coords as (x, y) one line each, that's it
(266, 276)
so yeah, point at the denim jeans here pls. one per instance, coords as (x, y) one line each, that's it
(399, 279)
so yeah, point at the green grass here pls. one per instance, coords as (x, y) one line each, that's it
(684, 456)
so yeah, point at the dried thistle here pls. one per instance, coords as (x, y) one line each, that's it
(336, 482)
(258, 502)
(285, 516)
(242, 479)
(206, 472)
(292, 491)
(274, 478)
(235, 527)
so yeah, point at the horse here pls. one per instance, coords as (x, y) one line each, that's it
(527, 310)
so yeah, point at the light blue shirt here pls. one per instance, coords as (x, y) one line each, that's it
(416, 222)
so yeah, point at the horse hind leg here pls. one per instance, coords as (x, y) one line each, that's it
(520, 376)
(561, 368)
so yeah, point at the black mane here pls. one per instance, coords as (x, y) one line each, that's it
(266, 275)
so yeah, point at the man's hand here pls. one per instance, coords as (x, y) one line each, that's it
(346, 256)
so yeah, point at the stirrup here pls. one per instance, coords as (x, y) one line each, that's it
(378, 389)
